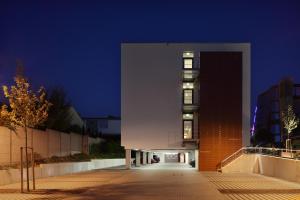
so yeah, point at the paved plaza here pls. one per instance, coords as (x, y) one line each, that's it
(170, 183)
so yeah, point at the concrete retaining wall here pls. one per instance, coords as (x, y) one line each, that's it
(58, 169)
(283, 168)
(45, 143)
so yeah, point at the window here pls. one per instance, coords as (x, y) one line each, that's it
(188, 116)
(188, 54)
(187, 96)
(187, 129)
(188, 75)
(188, 85)
(188, 63)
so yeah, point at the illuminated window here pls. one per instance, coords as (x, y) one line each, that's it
(188, 96)
(188, 116)
(188, 54)
(188, 63)
(188, 86)
(187, 129)
(187, 75)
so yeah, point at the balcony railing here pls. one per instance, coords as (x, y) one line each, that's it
(190, 74)
(190, 107)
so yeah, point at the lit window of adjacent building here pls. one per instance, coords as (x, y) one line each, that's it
(189, 116)
(187, 129)
(188, 96)
(188, 85)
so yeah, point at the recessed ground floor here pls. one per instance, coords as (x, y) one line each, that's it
(160, 158)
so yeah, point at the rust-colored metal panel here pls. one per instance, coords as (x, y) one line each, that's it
(220, 110)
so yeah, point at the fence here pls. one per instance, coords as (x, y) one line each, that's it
(45, 143)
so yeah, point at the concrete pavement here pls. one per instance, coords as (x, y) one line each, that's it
(157, 184)
(121, 185)
(243, 186)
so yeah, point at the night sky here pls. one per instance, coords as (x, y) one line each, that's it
(76, 44)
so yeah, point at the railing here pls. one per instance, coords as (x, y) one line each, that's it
(283, 153)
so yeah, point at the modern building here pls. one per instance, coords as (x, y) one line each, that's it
(109, 126)
(185, 101)
(270, 105)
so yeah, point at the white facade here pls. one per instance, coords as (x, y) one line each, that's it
(151, 92)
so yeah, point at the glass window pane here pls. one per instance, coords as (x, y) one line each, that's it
(188, 85)
(187, 75)
(187, 129)
(188, 116)
(188, 63)
(188, 54)
(188, 97)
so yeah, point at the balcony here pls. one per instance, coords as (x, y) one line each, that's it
(190, 74)
(190, 143)
(190, 107)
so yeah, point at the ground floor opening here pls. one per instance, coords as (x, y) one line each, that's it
(162, 159)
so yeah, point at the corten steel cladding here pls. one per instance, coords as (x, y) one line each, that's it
(220, 110)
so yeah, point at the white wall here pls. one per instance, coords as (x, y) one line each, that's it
(57, 169)
(151, 93)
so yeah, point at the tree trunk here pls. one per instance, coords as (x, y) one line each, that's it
(26, 157)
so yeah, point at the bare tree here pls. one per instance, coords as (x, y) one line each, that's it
(27, 109)
(290, 121)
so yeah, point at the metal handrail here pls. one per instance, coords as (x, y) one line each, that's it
(232, 156)
(260, 150)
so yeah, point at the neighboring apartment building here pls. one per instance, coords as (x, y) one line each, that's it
(185, 101)
(103, 126)
(270, 105)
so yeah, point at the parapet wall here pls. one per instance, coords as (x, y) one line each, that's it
(283, 168)
(58, 169)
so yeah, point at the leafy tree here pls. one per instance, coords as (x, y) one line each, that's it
(290, 122)
(5, 118)
(27, 109)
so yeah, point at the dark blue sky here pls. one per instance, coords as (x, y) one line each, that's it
(76, 44)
